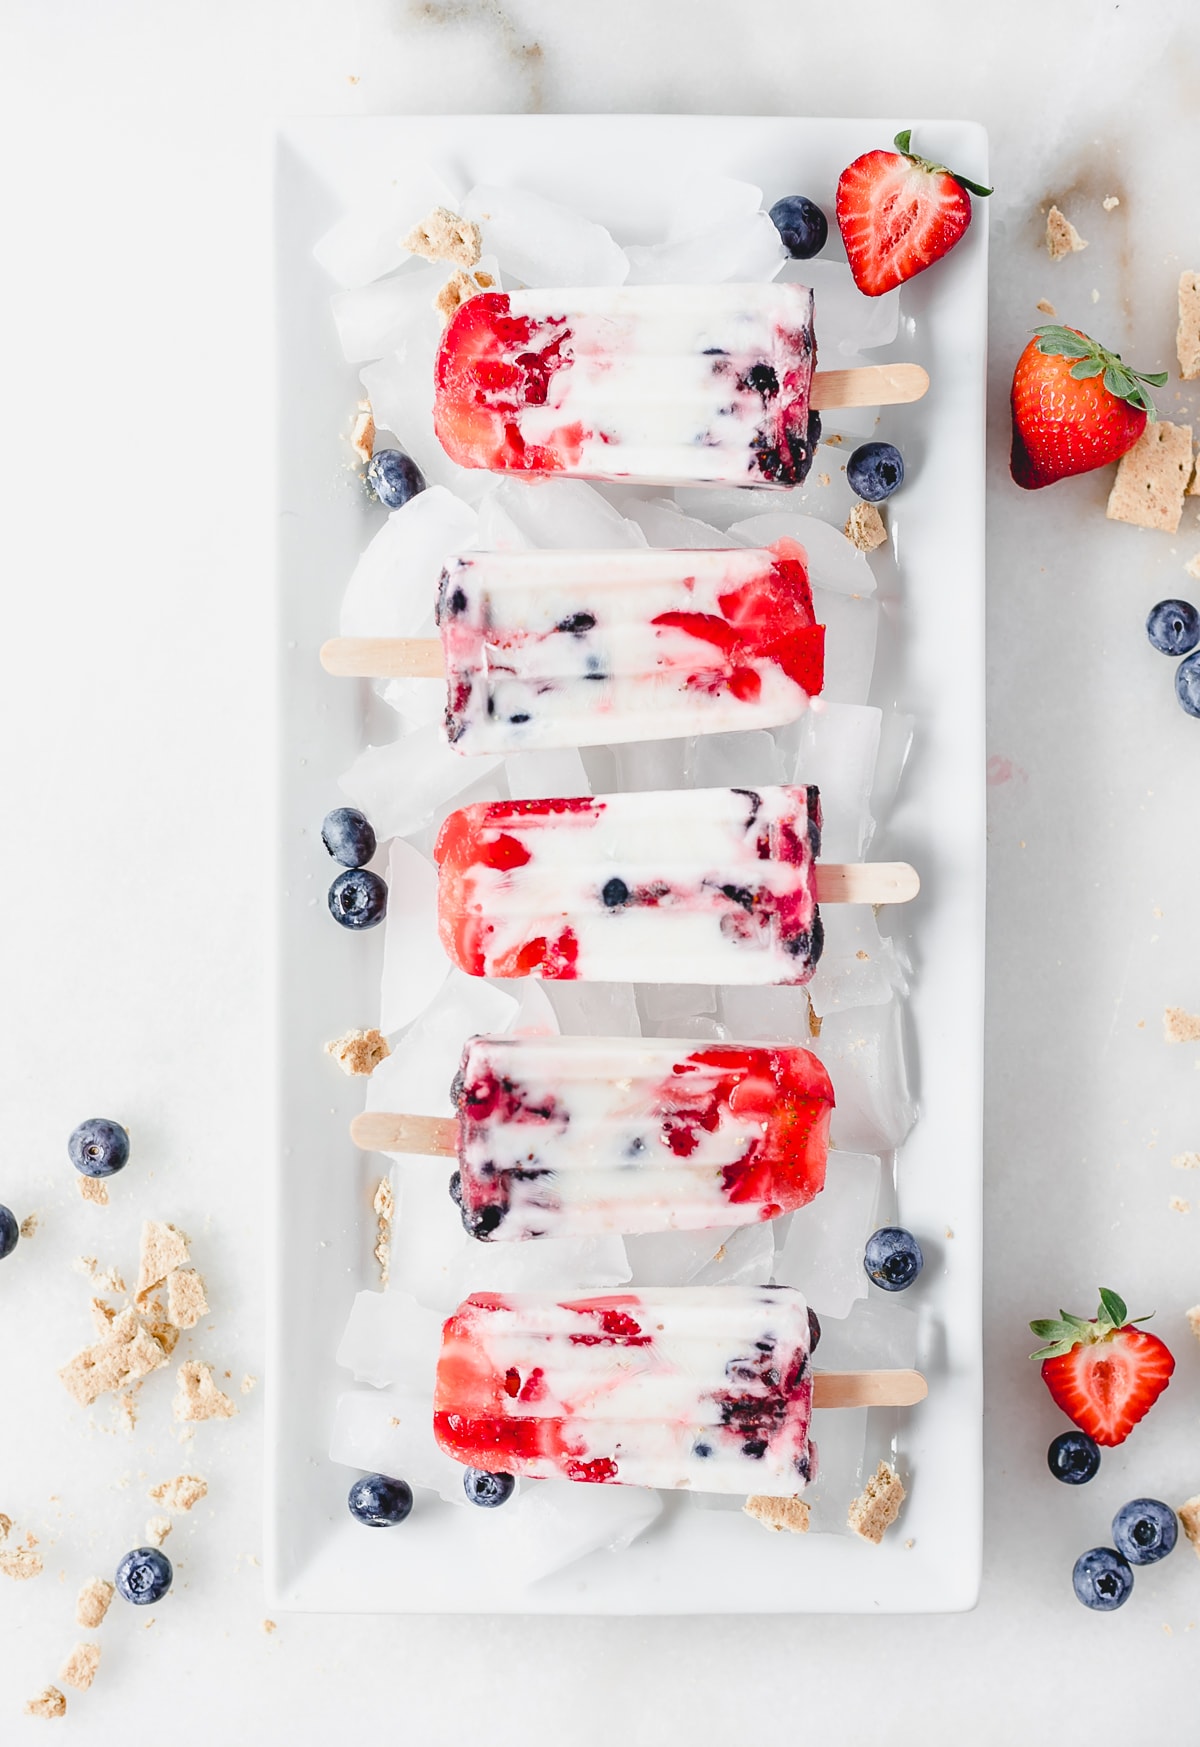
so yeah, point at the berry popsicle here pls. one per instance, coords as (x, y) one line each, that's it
(701, 885)
(670, 384)
(704, 1387)
(570, 1136)
(545, 649)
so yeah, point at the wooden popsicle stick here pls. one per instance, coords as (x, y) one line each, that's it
(868, 1388)
(868, 385)
(866, 882)
(382, 1131)
(383, 658)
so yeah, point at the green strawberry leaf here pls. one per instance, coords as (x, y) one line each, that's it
(1113, 1308)
(902, 142)
(1087, 367)
(1048, 1329)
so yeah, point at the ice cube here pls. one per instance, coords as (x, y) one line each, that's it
(864, 1052)
(563, 514)
(595, 1009)
(744, 250)
(498, 532)
(556, 1522)
(369, 240)
(834, 563)
(859, 967)
(851, 627)
(400, 387)
(374, 319)
(664, 524)
(746, 1258)
(876, 1336)
(427, 1233)
(895, 745)
(673, 1258)
(706, 201)
(747, 759)
(401, 785)
(566, 1264)
(393, 591)
(390, 1338)
(414, 964)
(541, 243)
(846, 321)
(840, 1435)
(774, 1015)
(417, 1076)
(390, 1431)
(557, 771)
(652, 764)
(823, 1251)
(535, 1017)
(417, 702)
(838, 746)
(663, 1005)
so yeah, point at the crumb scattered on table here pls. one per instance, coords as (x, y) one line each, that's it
(1193, 1317)
(1179, 1205)
(1152, 478)
(362, 435)
(157, 1530)
(91, 1604)
(247, 1383)
(1180, 1026)
(1045, 306)
(864, 527)
(949, 1231)
(1061, 236)
(1189, 1515)
(1186, 1161)
(79, 1669)
(28, 1226)
(1111, 202)
(21, 1564)
(129, 1350)
(181, 1493)
(163, 1249)
(95, 1190)
(186, 1302)
(48, 1703)
(877, 1506)
(909, 1544)
(197, 1396)
(1187, 337)
(444, 236)
(454, 293)
(485, 283)
(269, 1626)
(359, 1052)
(791, 1514)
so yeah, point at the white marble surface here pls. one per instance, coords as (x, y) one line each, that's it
(135, 552)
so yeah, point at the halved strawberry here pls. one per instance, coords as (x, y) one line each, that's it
(898, 214)
(1106, 1373)
(1075, 407)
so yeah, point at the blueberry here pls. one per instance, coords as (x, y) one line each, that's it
(99, 1148)
(1174, 627)
(893, 1258)
(615, 893)
(394, 477)
(488, 1490)
(380, 1502)
(144, 1576)
(814, 1330)
(348, 836)
(801, 224)
(1073, 1458)
(10, 1231)
(1145, 1530)
(358, 898)
(1187, 684)
(875, 471)
(1102, 1579)
(455, 1187)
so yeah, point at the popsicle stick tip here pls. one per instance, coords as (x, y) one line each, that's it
(868, 882)
(869, 385)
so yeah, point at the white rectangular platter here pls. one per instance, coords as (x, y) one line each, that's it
(615, 169)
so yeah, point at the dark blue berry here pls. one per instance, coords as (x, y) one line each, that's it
(488, 1490)
(1145, 1530)
(456, 1188)
(875, 471)
(348, 836)
(814, 1330)
(615, 893)
(893, 1258)
(1073, 1458)
(1174, 627)
(380, 1502)
(1187, 684)
(801, 224)
(1102, 1579)
(144, 1576)
(394, 477)
(98, 1147)
(10, 1231)
(358, 898)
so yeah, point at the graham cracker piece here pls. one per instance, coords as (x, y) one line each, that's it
(181, 1493)
(197, 1396)
(28, 1226)
(454, 294)
(79, 1669)
(791, 1514)
(163, 1250)
(127, 1351)
(359, 1052)
(48, 1703)
(384, 1205)
(877, 1505)
(103, 1316)
(5, 1526)
(1189, 1515)
(186, 1302)
(1061, 236)
(21, 1564)
(1152, 478)
(362, 437)
(1047, 308)
(1180, 1026)
(92, 1189)
(444, 236)
(92, 1602)
(1187, 337)
(864, 527)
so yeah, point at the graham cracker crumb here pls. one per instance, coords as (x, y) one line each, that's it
(384, 1205)
(269, 1626)
(359, 1052)
(909, 1544)
(454, 294)
(1045, 306)
(91, 1604)
(103, 1315)
(834, 442)
(1193, 567)
(1187, 338)
(163, 1250)
(85, 1265)
(92, 1189)
(128, 1351)
(484, 281)
(109, 1280)
(5, 1526)
(877, 1505)
(48, 1703)
(197, 1396)
(1111, 202)
(180, 1494)
(247, 1383)
(949, 1231)
(1189, 1515)
(1179, 1205)
(1180, 1026)
(822, 479)
(444, 236)
(157, 1530)
(791, 1514)
(362, 435)
(1152, 478)
(1193, 1317)
(864, 527)
(186, 1302)
(127, 1410)
(79, 1669)
(21, 1564)
(1061, 236)
(28, 1226)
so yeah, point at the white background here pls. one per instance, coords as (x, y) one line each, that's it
(136, 909)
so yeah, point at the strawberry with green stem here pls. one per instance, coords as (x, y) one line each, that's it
(899, 213)
(1075, 407)
(1106, 1373)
